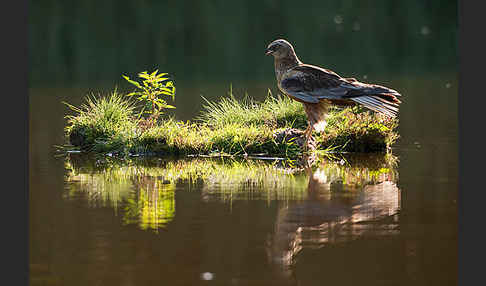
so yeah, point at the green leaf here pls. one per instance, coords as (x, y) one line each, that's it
(161, 104)
(143, 75)
(167, 89)
(161, 75)
(132, 82)
(154, 73)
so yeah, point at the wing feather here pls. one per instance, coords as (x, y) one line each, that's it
(310, 84)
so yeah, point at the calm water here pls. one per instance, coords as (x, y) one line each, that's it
(373, 220)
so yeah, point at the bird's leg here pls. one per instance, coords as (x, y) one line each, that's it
(308, 135)
(307, 129)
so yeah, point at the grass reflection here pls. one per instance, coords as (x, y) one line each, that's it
(144, 189)
(354, 171)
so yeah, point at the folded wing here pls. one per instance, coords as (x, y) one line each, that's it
(311, 84)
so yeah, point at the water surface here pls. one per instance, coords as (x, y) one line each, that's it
(368, 219)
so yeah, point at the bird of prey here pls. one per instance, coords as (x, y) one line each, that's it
(318, 88)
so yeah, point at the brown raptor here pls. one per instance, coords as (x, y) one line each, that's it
(317, 88)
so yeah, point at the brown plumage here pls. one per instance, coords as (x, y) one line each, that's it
(317, 88)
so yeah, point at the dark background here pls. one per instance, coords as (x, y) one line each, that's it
(88, 42)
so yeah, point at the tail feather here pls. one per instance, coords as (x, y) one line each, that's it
(378, 104)
(376, 97)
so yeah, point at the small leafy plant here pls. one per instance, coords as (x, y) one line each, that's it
(149, 91)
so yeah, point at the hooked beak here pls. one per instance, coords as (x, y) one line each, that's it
(268, 52)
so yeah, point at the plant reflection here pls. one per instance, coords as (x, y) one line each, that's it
(152, 206)
(148, 200)
(334, 201)
(146, 188)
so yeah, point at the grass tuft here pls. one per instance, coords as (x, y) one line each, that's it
(274, 112)
(103, 123)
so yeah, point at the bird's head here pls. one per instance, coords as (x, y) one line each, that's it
(279, 49)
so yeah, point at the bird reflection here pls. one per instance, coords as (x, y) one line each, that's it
(333, 212)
